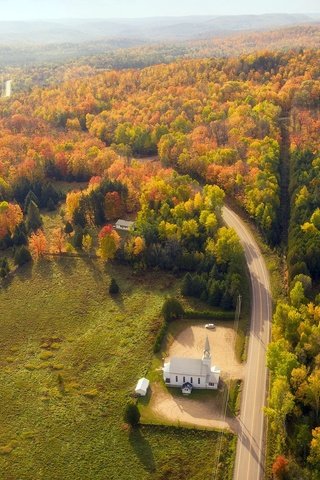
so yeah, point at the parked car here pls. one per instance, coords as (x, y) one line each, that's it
(211, 326)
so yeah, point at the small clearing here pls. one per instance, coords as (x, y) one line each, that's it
(204, 408)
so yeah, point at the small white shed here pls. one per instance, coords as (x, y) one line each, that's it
(124, 225)
(142, 387)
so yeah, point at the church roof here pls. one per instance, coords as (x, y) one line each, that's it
(187, 366)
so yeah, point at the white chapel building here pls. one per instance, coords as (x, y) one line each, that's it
(198, 373)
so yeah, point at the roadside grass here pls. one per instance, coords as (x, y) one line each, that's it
(234, 399)
(70, 357)
(241, 342)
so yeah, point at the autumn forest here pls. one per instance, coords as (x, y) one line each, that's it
(166, 146)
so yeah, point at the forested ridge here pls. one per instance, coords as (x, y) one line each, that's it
(135, 52)
(247, 127)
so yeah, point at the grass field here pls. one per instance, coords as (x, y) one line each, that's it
(70, 356)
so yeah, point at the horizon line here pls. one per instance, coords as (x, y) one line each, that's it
(151, 17)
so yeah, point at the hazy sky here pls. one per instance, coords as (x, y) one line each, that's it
(36, 9)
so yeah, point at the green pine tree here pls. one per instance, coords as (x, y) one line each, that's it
(33, 220)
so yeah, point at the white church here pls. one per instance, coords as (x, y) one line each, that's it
(189, 373)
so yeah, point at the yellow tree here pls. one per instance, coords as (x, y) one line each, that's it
(314, 457)
(139, 246)
(72, 203)
(109, 242)
(87, 243)
(309, 392)
(10, 217)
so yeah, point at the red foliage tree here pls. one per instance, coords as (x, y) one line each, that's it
(279, 466)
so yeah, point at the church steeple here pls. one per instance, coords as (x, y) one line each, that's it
(206, 352)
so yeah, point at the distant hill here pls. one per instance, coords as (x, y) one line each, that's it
(121, 53)
(146, 29)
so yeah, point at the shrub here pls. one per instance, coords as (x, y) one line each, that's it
(113, 287)
(22, 256)
(208, 315)
(172, 309)
(234, 396)
(4, 268)
(68, 228)
(306, 283)
(279, 467)
(298, 269)
(159, 338)
(132, 414)
(45, 355)
(91, 393)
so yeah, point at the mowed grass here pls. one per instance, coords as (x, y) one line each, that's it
(70, 355)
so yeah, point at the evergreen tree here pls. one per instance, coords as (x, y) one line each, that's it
(215, 293)
(186, 285)
(132, 414)
(113, 287)
(77, 237)
(4, 267)
(226, 301)
(51, 206)
(20, 235)
(34, 220)
(22, 256)
(31, 197)
(172, 309)
(6, 242)
(79, 217)
(68, 228)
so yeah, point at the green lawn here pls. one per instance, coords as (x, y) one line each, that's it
(70, 356)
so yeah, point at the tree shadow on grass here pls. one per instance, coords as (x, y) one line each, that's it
(92, 265)
(142, 449)
(45, 268)
(118, 300)
(66, 264)
(24, 273)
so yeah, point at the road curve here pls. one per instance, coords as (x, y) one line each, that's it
(250, 455)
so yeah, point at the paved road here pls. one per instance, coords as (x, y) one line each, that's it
(250, 456)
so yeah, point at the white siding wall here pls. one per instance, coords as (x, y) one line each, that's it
(187, 378)
(179, 380)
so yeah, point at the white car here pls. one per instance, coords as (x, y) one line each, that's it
(210, 325)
